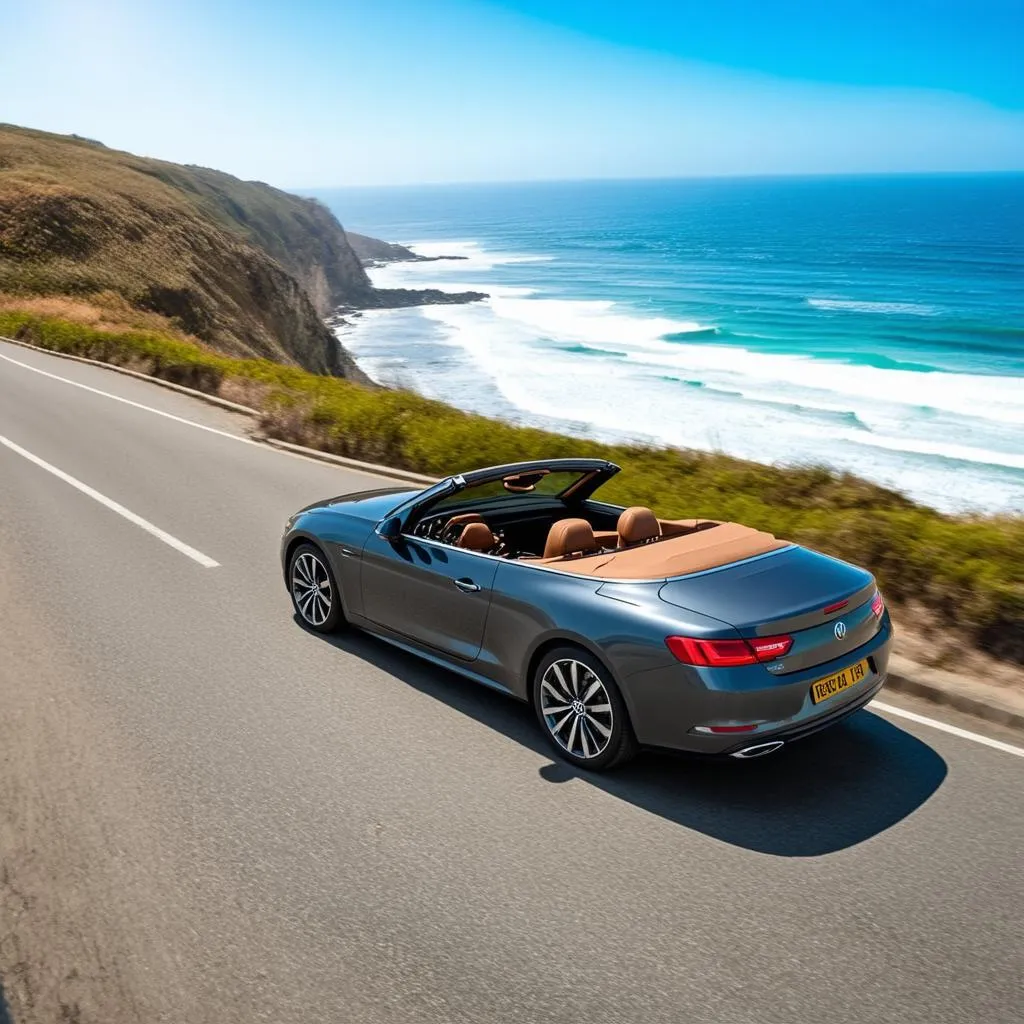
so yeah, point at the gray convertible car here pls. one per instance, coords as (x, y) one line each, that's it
(621, 629)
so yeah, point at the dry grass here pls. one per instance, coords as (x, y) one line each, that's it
(106, 311)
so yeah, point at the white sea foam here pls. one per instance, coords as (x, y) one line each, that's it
(471, 251)
(609, 372)
(467, 256)
(862, 306)
(958, 452)
(441, 276)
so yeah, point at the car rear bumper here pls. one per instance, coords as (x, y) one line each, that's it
(813, 725)
(667, 704)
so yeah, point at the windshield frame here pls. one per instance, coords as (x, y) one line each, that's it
(593, 474)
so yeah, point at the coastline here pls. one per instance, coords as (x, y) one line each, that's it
(706, 389)
(374, 253)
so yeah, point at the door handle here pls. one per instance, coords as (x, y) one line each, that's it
(467, 586)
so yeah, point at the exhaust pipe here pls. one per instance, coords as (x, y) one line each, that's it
(758, 750)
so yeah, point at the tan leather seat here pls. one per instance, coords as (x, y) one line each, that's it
(637, 525)
(461, 520)
(477, 537)
(570, 537)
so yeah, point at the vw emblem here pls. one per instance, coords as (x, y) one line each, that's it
(840, 629)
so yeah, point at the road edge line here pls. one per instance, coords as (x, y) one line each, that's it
(224, 403)
(941, 697)
(953, 730)
(286, 446)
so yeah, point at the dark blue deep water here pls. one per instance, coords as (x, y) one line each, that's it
(872, 323)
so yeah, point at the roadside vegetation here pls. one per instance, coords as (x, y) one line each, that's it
(966, 571)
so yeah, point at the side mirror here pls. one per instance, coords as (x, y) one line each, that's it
(390, 528)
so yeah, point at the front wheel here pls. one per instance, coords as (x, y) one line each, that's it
(315, 594)
(581, 710)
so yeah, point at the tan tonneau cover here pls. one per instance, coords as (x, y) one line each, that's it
(706, 548)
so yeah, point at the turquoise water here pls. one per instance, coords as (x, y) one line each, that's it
(875, 324)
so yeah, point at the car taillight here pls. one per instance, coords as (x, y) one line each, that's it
(716, 653)
(768, 648)
(728, 653)
(877, 604)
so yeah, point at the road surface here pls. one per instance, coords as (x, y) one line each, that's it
(208, 814)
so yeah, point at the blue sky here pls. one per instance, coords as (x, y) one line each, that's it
(318, 93)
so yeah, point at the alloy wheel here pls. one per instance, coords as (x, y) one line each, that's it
(576, 708)
(311, 589)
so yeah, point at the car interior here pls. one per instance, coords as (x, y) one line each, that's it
(588, 537)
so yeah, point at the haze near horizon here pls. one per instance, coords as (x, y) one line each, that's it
(322, 94)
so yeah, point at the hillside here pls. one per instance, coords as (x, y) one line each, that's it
(245, 268)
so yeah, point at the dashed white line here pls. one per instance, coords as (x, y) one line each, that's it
(953, 730)
(186, 549)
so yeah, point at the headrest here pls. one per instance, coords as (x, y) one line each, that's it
(636, 525)
(465, 517)
(476, 537)
(570, 537)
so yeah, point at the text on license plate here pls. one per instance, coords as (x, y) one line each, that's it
(830, 686)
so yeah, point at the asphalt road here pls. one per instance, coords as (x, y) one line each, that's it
(208, 814)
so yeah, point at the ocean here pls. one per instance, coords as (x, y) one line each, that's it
(873, 324)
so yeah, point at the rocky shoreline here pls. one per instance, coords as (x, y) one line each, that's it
(399, 298)
(373, 252)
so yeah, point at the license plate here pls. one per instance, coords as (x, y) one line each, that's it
(830, 686)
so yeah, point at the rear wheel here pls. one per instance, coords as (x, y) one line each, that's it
(581, 710)
(315, 594)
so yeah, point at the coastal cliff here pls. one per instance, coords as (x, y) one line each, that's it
(245, 268)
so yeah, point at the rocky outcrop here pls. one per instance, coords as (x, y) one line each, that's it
(372, 252)
(401, 298)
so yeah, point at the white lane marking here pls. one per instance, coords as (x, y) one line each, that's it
(197, 556)
(128, 401)
(1006, 748)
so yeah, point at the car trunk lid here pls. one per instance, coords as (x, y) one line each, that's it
(822, 603)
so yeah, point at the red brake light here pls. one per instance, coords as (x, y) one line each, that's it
(877, 604)
(728, 653)
(835, 607)
(715, 653)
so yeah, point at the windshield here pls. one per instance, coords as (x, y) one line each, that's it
(514, 488)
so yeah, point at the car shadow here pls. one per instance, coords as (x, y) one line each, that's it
(5, 1013)
(823, 794)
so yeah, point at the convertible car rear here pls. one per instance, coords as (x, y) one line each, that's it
(622, 629)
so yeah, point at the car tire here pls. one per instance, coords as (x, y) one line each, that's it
(581, 711)
(315, 594)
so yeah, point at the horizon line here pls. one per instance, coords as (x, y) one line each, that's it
(754, 176)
